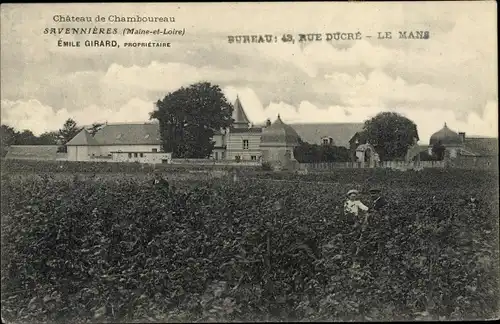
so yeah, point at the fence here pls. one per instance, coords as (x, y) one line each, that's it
(324, 166)
(210, 162)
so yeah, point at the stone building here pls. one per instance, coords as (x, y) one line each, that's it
(457, 144)
(242, 141)
(137, 142)
(277, 143)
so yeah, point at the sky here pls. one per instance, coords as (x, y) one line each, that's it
(449, 78)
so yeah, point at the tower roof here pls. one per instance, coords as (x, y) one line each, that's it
(239, 115)
(446, 136)
(82, 138)
(279, 132)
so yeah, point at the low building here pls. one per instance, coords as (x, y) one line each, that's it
(466, 151)
(138, 142)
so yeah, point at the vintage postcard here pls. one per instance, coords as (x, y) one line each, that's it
(249, 162)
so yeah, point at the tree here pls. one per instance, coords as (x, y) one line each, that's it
(390, 134)
(438, 150)
(311, 153)
(189, 117)
(69, 130)
(95, 128)
(48, 138)
(26, 137)
(8, 137)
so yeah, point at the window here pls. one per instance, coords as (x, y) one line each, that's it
(223, 155)
(253, 157)
(130, 155)
(135, 154)
(245, 144)
(327, 140)
(154, 150)
(237, 158)
(216, 155)
(141, 155)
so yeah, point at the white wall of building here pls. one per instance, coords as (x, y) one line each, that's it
(107, 149)
(219, 140)
(235, 146)
(141, 157)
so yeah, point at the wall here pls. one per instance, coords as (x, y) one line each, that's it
(384, 164)
(235, 146)
(78, 153)
(218, 154)
(278, 157)
(214, 162)
(82, 153)
(34, 152)
(475, 162)
(107, 149)
(219, 140)
(147, 157)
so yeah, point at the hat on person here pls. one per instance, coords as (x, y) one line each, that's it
(353, 191)
(375, 190)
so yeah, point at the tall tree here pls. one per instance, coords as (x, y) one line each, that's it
(69, 130)
(391, 134)
(438, 150)
(189, 117)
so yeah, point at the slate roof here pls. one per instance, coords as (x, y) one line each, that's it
(483, 146)
(239, 115)
(341, 133)
(246, 130)
(129, 134)
(446, 136)
(82, 138)
(279, 132)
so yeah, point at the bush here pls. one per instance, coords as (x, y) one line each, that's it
(266, 166)
(120, 250)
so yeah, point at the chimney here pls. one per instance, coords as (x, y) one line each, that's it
(462, 136)
(268, 122)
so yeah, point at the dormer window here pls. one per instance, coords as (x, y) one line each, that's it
(147, 136)
(327, 141)
(119, 136)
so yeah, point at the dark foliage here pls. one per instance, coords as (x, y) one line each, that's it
(438, 151)
(82, 250)
(311, 153)
(189, 117)
(391, 134)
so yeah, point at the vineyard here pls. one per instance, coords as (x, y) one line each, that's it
(270, 246)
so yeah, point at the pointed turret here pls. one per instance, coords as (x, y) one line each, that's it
(239, 116)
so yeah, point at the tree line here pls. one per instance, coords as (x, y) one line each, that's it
(10, 136)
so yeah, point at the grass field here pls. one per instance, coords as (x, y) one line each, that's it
(271, 246)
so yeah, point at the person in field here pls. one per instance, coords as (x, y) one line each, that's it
(159, 181)
(353, 205)
(378, 200)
